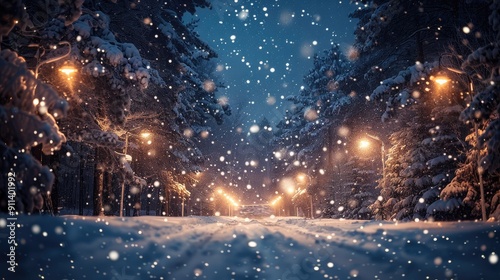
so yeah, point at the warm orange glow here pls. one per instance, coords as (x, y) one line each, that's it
(440, 80)
(363, 144)
(301, 177)
(275, 200)
(145, 134)
(68, 70)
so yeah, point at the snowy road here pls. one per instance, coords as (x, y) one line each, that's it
(72, 247)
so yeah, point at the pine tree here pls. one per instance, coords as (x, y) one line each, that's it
(425, 137)
(462, 197)
(352, 191)
(29, 110)
(303, 141)
(303, 134)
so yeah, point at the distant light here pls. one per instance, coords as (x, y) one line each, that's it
(68, 70)
(440, 80)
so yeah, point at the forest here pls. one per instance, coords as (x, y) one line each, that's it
(112, 108)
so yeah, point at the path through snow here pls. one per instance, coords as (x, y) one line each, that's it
(73, 247)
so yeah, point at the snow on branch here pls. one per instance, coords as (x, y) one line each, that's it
(403, 79)
(28, 110)
(381, 17)
(29, 104)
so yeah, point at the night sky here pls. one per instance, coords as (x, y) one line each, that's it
(266, 47)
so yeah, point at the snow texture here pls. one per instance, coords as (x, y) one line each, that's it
(71, 247)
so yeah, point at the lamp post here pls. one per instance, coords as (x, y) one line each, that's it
(277, 203)
(300, 177)
(182, 210)
(363, 144)
(288, 188)
(231, 202)
(123, 181)
(476, 134)
(128, 158)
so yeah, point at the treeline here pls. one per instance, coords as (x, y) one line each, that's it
(420, 84)
(92, 92)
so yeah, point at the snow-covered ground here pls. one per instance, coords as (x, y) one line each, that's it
(73, 247)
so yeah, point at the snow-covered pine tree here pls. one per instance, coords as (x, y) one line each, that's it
(412, 33)
(421, 161)
(188, 101)
(304, 134)
(486, 107)
(392, 35)
(353, 190)
(29, 109)
(109, 73)
(461, 198)
(304, 140)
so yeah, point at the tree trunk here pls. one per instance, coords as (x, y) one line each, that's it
(98, 186)
(136, 200)
(167, 201)
(81, 201)
(108, 193)
(54, 196)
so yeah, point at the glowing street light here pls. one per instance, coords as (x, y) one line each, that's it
(145, 134)
(68, 70)
(128, 158)
(364, 144)
(301, 177)
(275, 202)
(231, 201)
(440, 79)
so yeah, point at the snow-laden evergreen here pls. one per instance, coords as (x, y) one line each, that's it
(462, 197)
(29, 110)
(304, 132)
(304, 140)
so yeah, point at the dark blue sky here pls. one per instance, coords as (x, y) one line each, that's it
(266, 47)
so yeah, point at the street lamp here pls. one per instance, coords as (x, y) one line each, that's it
(440, 79)
(128, 158)
(301, 178)
(478, 146)
(68, 70)
(231, 201)
(364, 144)
(276, 202)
